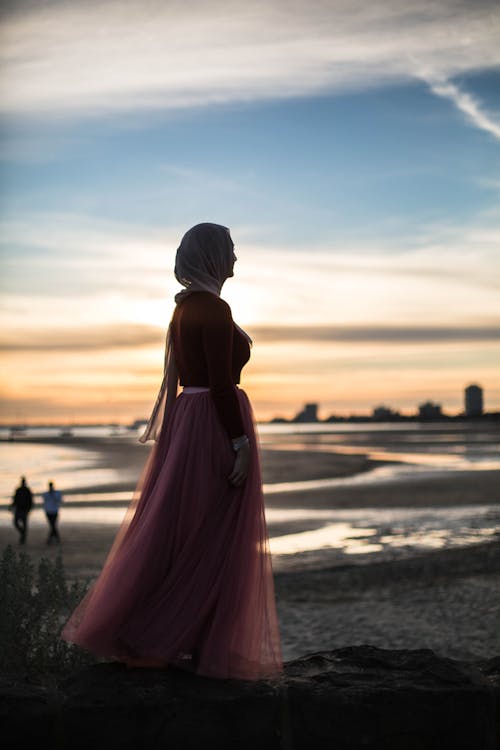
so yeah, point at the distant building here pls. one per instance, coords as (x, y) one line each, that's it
(308, 414)
(381, 413)
(473, 396)
(429, 410)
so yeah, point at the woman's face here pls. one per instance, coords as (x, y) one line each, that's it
(234, 259)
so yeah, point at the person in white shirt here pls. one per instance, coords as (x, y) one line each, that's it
(51, 503)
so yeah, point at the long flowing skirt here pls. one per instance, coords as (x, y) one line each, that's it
(188, 580)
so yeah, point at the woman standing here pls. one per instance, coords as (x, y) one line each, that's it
(188, 580)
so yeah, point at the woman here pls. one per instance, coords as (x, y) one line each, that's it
(188, 580)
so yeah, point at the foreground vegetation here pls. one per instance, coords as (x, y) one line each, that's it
(34, 605)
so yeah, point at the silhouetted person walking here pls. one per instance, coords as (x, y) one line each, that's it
(22, 502)
(51, 503)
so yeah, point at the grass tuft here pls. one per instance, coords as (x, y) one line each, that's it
(34, 605)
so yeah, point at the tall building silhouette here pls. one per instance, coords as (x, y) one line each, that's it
(308, 414)
(473, 396)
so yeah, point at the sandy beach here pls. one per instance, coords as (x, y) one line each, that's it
(444, 599)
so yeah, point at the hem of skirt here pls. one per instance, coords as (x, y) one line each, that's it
(183, 661)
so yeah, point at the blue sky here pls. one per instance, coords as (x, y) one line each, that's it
(315, 168)
(355, 157)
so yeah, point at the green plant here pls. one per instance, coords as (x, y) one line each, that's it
(33, 609)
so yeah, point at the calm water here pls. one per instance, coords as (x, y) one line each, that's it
(301, 535)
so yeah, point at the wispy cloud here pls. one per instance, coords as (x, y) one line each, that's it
(81, 256)
(198, 179)
(467, 104)
(97, 58)
(489, 183)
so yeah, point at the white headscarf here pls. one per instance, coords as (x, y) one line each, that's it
(203, 262)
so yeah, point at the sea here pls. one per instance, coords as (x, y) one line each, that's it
(331, 535)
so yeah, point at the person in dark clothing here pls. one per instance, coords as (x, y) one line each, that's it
(188, 580)
(22, 502)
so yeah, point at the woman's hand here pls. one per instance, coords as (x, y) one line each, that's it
(240, 469)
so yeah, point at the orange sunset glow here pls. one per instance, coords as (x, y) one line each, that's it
(332, 329)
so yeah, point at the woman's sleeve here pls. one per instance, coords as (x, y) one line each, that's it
(218, 347)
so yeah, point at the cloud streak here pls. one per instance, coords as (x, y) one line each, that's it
(114, 336)
(375, 334)
(467, 104)
(70, 58)
(84, 338)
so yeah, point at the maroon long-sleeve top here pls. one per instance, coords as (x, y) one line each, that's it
(211, 351)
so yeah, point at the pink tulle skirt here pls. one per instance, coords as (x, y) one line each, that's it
(188, 580)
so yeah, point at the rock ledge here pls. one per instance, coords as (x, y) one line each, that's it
(348, 698)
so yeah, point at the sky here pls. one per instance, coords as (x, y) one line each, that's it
(352, 149)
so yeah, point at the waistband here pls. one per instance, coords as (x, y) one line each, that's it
(194, 388)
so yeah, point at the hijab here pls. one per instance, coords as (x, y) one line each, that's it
(203, 262)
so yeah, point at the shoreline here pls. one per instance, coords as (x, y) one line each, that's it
(278, 465)
(285, 465)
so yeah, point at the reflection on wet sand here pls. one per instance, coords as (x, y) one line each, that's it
(364, 493)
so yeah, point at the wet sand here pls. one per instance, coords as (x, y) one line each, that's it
(445, 599)
(128, 456)
(457, 488)
(85, 546)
